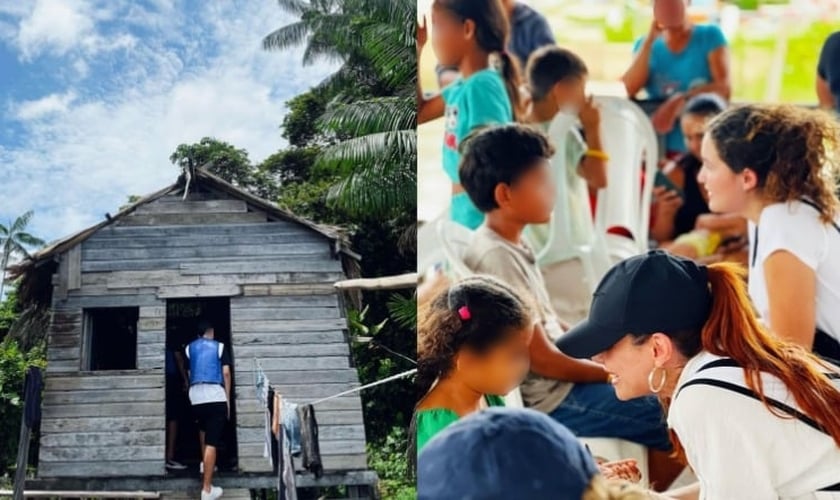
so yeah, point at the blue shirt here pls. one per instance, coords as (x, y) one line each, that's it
(829, 66)
(480, 100)
(529, 30)
(679, 72)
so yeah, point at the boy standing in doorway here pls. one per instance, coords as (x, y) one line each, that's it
(210, 397)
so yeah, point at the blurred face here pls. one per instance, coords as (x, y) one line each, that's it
(500, 369)
(670, 13)
(531, 198)
(692, 128)
(450, 36)
(630, 365)
(570, 93)
(210, 333)
(727, 191)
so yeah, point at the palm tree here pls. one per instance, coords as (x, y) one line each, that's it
(13, 241)
(375, 39)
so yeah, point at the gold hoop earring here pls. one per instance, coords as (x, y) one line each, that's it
(661, 384)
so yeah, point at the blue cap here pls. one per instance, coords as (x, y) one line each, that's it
(504, 453)
(649, 293)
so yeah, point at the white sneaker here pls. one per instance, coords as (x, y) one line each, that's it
(215, 492)
(172, 464)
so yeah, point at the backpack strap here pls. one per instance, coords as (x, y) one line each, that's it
(746, 391)
(731, 363)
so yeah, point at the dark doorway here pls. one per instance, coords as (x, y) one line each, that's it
(182, 318)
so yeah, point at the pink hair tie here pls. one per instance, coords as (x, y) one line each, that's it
(464, 313)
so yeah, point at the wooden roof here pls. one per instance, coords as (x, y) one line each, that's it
(202, 176)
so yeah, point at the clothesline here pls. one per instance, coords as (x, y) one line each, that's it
(367, 386)
(349, 391)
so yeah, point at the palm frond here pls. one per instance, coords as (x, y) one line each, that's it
(21, 222)
(383, 190)
(3, 230)
(294, 7)
(29, 240)
(401, 144)
(289, 36)
(403, 310)
(371, 116)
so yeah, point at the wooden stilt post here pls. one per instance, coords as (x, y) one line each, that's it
(22, 458)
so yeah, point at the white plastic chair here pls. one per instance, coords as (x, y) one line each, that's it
(429, 252)
(559, 245)
(628, 138)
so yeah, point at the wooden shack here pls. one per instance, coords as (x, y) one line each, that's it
(116, 290)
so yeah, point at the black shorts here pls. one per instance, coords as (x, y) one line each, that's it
(177, 401)
(211, 418)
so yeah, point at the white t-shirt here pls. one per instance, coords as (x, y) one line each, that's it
(207, 393)
(740, 450)
(796, 228)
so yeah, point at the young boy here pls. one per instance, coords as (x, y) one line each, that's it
(507, 175)
(557, 83)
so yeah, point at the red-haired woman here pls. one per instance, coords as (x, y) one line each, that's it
(755, 417)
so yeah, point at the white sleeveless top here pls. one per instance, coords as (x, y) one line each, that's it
(739, 449)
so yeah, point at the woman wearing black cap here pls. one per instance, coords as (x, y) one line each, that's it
(755, 417)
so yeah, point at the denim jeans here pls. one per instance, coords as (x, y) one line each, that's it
(592, 410)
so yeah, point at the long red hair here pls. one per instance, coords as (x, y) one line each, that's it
(734, 331)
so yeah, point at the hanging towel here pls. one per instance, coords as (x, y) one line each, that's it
(32, 386)
(309, 440)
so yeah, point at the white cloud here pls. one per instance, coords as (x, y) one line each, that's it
(84, 157)
(39, 108)
(54, 25)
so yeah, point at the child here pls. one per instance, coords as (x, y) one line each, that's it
(473, 342)
(557, 82)
(467, 34)
(510, 453)
(507, 175)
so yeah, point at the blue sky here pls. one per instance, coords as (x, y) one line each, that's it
(96, 94)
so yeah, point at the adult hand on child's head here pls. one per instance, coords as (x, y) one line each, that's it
(627, 470)
(590, 114)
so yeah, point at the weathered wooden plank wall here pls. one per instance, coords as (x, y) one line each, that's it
(284, 311)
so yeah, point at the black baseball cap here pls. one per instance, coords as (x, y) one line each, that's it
(649, 293)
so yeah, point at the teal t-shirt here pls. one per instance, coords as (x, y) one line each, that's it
(678, 72)
(479, 100)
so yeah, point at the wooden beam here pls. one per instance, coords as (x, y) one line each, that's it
(84, 494)
(192, 219)
(74, 268)
(189, 291)
(224, 479)
(399, 282)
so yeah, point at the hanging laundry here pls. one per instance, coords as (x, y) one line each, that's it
(286, 473)
(291, 426)
(33, 385)
(309, 440)
(270, 445)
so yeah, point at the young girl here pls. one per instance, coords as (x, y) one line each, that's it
(473, 341)
(469, 34)
(777, 167)
(755, 417)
